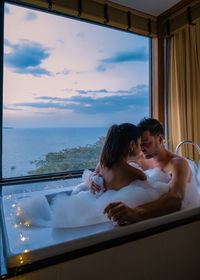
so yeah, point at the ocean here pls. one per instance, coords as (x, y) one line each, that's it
(23, 146)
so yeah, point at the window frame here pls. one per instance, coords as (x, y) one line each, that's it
(57, 175)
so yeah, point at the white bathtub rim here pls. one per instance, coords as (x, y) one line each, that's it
(80, 243)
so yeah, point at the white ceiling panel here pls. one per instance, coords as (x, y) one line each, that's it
(152, 7)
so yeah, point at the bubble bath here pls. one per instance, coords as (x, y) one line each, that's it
(82, 208)
(61, 216)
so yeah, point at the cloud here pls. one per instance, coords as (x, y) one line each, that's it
(7, 43)
(6, 10)
(81, 91)
(101, 68)
(52, 98)
(138, 55)
(135, 99)
(31, 16)
(48, 105)
(35, 71)
(80, 72)
(63, 72)
(25, 58)
(91, 91)
(12, 109)
(67, 89)
(108, 104)
(103, 92)
(121, 57)
(61, 41)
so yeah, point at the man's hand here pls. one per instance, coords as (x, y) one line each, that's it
(121, 213)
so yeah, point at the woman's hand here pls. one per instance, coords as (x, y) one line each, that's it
(93, 186)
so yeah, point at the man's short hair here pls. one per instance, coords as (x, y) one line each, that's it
(152, 125)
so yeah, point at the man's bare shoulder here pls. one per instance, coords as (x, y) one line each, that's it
(178, 163)
(178, 160)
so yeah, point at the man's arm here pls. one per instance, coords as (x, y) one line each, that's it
(181, 174)
(167, 203)
(122, 214)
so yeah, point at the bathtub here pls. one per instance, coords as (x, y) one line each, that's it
(28, 245)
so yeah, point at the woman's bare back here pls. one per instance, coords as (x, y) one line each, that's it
(120, 175)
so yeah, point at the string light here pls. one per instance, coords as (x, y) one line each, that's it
(27, 224)
(21, 260)
(26, 251)
(13, 205)
(23, 238)
(18, 212)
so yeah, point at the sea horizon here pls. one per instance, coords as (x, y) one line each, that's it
(23, 147)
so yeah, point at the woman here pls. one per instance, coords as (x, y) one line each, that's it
(121, 145)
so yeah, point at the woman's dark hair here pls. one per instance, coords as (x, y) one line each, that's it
(152, 125)
(116, 145)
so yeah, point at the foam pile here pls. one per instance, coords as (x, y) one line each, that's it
(82, 208)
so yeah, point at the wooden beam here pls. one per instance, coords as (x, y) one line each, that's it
(158, 79)
(174, 9)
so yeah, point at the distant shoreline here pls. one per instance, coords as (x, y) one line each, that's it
(22, 147)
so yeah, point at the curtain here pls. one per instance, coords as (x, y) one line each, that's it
(184, 90)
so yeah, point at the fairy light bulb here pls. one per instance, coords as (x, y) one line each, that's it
(21, 260)
(23, 238)
(18, 212)
(27, 224)
(26, 251)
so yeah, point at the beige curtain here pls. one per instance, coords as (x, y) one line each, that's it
(184, 90)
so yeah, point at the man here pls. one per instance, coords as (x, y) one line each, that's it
(155, 155)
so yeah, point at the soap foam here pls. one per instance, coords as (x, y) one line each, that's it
(83, 208)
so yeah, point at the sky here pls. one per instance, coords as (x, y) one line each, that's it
(62, 72)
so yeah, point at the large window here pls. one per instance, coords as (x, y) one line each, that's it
(65, 82)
